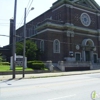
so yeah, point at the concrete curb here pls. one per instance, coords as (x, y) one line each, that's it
(44, 75)
(26, 72)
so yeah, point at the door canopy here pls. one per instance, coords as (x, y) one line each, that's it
(88, 42)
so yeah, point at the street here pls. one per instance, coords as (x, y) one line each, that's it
(75, 87)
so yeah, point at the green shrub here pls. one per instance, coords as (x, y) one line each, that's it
(35, 61)
(29, 63)
(4, 63)
(38, 66)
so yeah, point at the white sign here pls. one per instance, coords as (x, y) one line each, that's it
(19, 61)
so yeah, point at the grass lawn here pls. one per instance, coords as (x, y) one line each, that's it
(7, 68)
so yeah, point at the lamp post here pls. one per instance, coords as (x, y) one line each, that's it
(24, 49)
(14, 38)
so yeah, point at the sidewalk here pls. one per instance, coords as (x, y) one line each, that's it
(51, 74)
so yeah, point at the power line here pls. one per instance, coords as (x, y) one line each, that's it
(49, 40)
(8, 23)
(4, 19)
(22, 19)
(4, 35)
(53, 41)
(28, 3)
(4, 25)
(28, 9)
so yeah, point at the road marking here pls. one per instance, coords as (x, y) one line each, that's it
(63, 97)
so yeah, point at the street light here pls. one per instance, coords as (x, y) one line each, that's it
(25, 40)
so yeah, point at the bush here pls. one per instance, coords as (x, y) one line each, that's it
(29, 64)
(38, 66)
(35, 65)
(4, 63)
(37, 61)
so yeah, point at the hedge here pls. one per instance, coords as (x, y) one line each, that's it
(29, 63)
(4, 63)
(38, 66)
(35, 61)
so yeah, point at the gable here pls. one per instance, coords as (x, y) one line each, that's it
(91, 4)
(85, 4)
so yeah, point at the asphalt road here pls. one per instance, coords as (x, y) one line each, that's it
(76, 87)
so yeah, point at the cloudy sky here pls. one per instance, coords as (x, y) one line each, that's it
(7, 11)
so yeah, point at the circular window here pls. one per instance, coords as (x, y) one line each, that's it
(85, 19)
(77, 47)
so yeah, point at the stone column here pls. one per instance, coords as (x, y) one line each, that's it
(83, 55)
(61, 65)
(49, 65)
(91, 66)
(91, 55)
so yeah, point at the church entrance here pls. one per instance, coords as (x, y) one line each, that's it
(87, 55)
(95, 58)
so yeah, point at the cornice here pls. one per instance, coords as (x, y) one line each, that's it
(66, 26)
(86, 30)
(50, 25)
(99, 31)
(72, 27)
(67, 32)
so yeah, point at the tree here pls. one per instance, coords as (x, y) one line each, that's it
(31, 49)
(1, 58)
(19, 48)
(38, 54)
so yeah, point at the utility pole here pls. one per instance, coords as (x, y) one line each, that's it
(24, 48)
(14, 39)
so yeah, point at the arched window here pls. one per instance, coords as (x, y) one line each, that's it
(42, 45)
(56, 46)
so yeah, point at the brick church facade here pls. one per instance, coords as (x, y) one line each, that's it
(69, 30)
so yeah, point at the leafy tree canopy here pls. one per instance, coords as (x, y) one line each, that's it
(31, 50)
(0, 58)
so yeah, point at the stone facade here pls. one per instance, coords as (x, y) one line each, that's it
(70, 30)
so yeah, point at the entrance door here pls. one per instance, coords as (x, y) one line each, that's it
(77, 57)
(87, 54)
(95, 58)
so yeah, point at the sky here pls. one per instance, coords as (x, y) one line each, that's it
(7, 13)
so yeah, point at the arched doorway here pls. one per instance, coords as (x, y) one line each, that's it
(87, 50)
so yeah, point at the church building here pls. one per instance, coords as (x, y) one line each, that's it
(68, 31)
